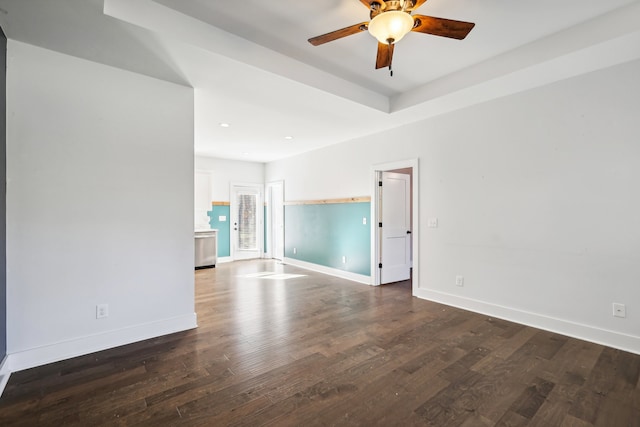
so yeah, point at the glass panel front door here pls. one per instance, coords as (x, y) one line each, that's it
(247, 211)
(247, 230)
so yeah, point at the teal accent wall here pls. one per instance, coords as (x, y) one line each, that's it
(224, 230)
(323, 233)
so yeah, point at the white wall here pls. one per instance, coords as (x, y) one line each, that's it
(536, 196)
(203, 193)
(99, 206)
(224, 172)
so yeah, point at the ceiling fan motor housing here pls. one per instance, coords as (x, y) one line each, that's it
(380, 6)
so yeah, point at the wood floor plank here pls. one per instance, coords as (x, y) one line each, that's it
(615, 370)
(532, 398)
(511, 419)
(319, 350)
(571, 421)
(552, 412)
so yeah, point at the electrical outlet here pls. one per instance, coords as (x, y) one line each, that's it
(364, 220)
(619, 310)
(344, 259)
(459, 280)
(102, 310)
(295, 251)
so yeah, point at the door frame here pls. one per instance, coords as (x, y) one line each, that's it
(395, 259)
(233, 235)
(269, 220)
(413, 164)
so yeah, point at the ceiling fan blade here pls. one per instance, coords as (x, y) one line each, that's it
(442, 27)
(385, 55)
(338, 34)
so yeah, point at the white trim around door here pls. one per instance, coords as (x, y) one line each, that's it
(376, 234)
(275, 220)
(247, 221)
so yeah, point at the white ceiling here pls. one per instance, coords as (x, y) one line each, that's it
(252, 67)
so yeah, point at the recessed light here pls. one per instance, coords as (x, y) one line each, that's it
(288, 137)
(224, 125)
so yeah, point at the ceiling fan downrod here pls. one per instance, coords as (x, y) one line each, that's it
(390, 42)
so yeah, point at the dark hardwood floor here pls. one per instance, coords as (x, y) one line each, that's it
(318, 351)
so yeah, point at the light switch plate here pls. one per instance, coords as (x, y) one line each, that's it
(432, 222)
(222, 218)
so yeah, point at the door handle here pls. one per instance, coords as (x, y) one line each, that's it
(408, 231)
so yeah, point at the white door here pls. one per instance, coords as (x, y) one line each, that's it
(247, 212)
(396, 227)
(275, 220)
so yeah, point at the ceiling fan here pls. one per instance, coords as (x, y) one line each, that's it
(391, 20)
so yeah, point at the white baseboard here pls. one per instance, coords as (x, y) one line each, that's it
(222, 260)
(84, 345)
(4, 374)
(3, 365)
(355, 277)
(605, 337)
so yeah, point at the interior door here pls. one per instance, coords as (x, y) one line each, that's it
(3, 199)
(275, 220)
(247, 213)
(396, 227)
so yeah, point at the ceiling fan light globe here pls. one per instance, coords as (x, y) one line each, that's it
(392, 25)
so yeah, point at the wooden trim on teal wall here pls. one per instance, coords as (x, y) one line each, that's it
(363, 199)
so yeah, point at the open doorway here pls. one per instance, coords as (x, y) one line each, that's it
(275, 220)
(395, 234)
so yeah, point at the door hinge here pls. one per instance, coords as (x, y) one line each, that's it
(380, 265)
(379, 183)
(380, 224)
